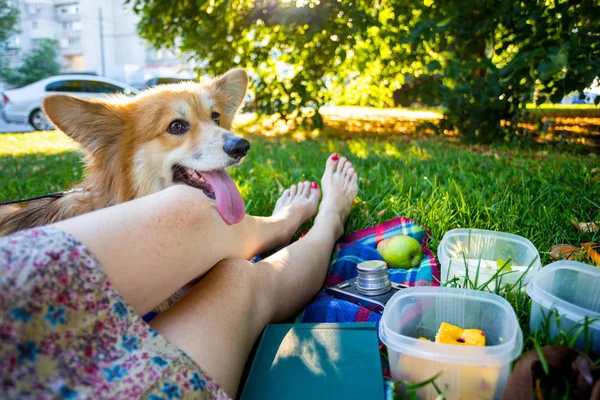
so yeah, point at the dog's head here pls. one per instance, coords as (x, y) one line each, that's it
(170, 134)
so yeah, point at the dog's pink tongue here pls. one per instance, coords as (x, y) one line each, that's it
(229, 200)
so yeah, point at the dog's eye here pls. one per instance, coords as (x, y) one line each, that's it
(178, 127)
(216, 117)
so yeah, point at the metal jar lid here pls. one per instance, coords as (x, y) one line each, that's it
(372, 266)
(373, 279)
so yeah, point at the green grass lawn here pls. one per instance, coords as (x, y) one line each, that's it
(531, 192)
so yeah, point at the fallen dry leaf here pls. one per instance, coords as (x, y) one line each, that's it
(592, 250)
(380, 213)
(589, 227)
(565, 252)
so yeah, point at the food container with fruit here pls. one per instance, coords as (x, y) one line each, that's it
(563, 295)
(487, 256)
(422, 328)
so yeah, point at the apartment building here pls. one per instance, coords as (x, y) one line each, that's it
(95, 36)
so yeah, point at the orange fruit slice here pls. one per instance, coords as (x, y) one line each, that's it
(452, 334)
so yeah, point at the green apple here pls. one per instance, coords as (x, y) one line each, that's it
(401, 252)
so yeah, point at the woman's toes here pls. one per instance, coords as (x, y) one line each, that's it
(306, 191)
(314, 185)
(350, 172)
(341, 164)
(293, 190)
(286, 193)
(346, 167)
(300, 191)
(332, 162)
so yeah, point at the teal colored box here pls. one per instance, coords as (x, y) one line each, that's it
(316, 361)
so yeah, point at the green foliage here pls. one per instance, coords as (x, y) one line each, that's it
(8, 26)
(489, 57)
(9, 15)
(39, 63)
(483, 59)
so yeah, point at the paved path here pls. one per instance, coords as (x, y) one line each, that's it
(14, 128)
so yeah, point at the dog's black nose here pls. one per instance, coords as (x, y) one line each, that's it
(236, 147)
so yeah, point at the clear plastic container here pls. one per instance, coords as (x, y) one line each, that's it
(478, 254)
(467, 372)
(573, 290)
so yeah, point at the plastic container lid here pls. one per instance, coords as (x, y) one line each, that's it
(505, 352)
(480, 244)
(576, 301)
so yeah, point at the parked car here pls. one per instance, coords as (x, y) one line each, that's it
(159, 80)
(24, 105)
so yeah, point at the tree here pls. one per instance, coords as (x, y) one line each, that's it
(39, 63)
(488, 57)
(481, 59)
(9, 16)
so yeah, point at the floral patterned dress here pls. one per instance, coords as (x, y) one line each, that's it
(66, 333)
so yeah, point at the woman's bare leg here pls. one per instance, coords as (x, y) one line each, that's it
(217, 323)
(151, 247)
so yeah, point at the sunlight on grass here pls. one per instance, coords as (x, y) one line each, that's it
(379, 113)
(358, 148)
(391, 150)
(574, 125)
(531, 106)
(47, 143)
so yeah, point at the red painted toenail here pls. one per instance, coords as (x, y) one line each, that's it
(303, 234)
(335, 157)
(314, 185)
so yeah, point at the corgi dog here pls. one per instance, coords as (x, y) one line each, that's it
(135, 146)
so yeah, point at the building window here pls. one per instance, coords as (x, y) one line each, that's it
(72, 9)
(67, 26)
(33, 9)
(36, 42)
(74, 42)
(35, 24)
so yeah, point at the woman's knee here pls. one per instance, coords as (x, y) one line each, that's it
(184, 202)
(249, 282)
(238, 273)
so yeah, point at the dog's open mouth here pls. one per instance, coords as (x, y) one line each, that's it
(218, 186)
(194, 179)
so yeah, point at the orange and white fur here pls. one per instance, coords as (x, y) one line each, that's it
(134, 146)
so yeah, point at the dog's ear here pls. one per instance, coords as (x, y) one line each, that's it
(94, 123)
(230, 90)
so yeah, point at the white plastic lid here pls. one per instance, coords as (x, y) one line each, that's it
(501, 353)
(443, 251)
(540, 292)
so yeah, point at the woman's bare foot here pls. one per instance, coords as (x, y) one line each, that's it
(339, 183)
(298, 204)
